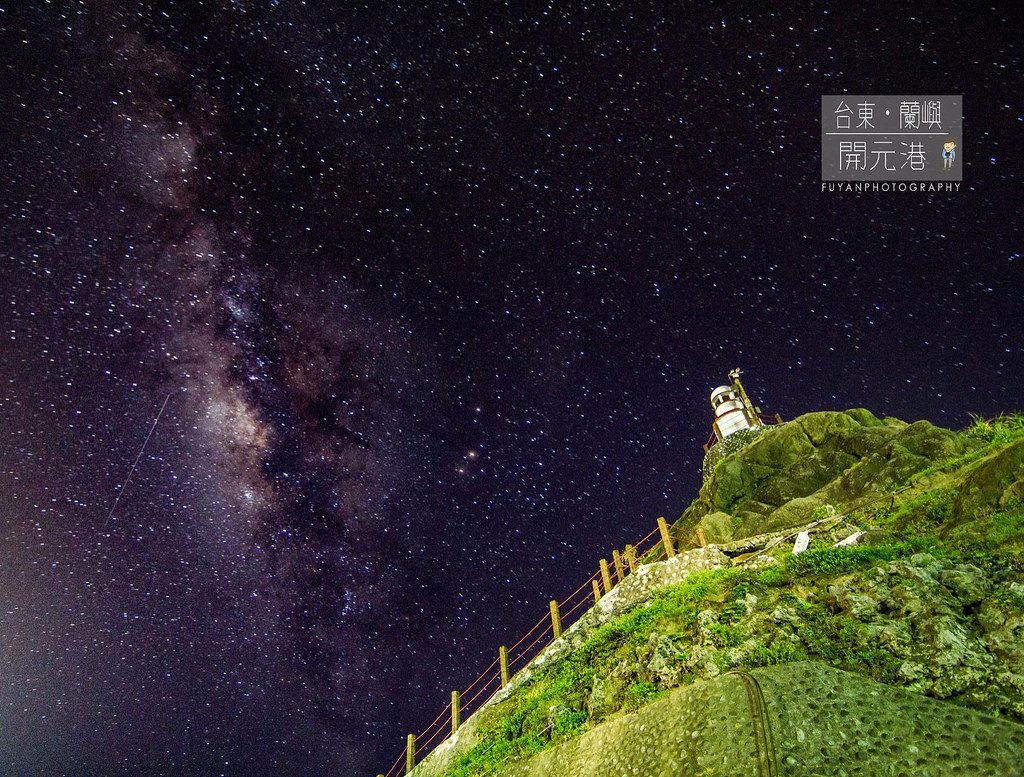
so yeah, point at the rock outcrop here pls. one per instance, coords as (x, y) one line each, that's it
(783, 475)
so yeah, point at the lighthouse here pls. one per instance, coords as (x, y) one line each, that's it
(733, 409)
(737, 423)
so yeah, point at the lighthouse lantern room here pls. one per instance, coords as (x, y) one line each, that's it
(733, 409)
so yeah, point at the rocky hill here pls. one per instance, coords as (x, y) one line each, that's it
(893, 644)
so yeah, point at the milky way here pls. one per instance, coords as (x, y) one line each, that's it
(299, 389)
(285, 392)
(435, 299)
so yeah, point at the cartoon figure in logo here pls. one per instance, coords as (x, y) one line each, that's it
(948, 154)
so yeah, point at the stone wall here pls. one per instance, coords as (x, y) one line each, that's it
(798, 720)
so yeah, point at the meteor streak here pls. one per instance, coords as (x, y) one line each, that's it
(135, 463)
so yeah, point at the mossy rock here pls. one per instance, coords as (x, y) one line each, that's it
(799, 461)
(1013, 493)
(991, 484)
(718, 527)
(930, 598)
(865, 417)
(822, 427)
(860, 442)
(914, 448)
(807, 476)
(739, 475)
(922, 438)
(735, 479)
(795, 512)
(779, 450)
(849, 458)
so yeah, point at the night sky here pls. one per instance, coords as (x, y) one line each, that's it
(432, 302)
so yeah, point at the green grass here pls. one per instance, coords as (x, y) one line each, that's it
(994, 432)
(840, 640)
(1008, 600)
(915, 517)
(553, 706)
(523, 727)
(822, 512)
(837, 561)
(998, 430)
(999, 535)
(550, 709)
(776, 653)
(1006, 526)
(773, 576)
(724, 635)
(926, 510)
(641, 693)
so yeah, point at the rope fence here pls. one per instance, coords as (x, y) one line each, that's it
(661, 543)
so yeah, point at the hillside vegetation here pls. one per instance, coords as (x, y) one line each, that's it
(927, 596)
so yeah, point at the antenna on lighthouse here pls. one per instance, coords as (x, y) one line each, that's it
(753, 413)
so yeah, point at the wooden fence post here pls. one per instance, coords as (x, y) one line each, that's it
(631, 558)
(503, 656)
(456, 712)
(606, 576)
(617, 560)
(410, 753)
(666, 538)
(556, 619)
(597, 590)
(702, 537)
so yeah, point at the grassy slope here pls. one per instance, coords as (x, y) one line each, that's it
(947, 510)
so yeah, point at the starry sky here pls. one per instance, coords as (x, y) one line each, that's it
(400, 316)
